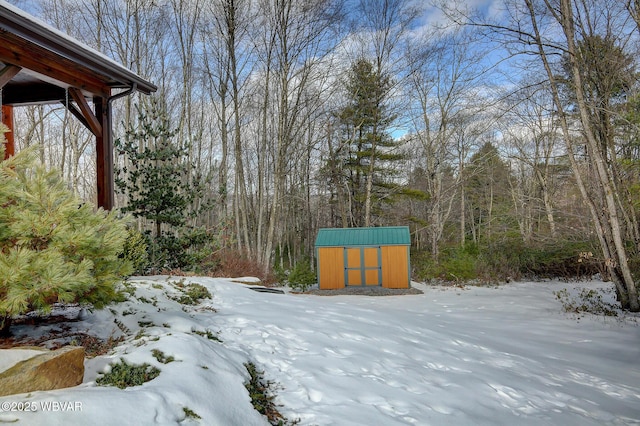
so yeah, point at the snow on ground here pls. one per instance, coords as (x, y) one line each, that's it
(465, 356)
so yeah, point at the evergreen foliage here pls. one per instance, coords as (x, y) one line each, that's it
(135, 250)
(508, 259)
(124, 375)
(607, 72)
(366, 150)
(52, 247)
(302, 276)
(488, 195)
(262, 396)
(456, 264)
(161, 186)
(186, 249)
(192, 293)
(157, 178)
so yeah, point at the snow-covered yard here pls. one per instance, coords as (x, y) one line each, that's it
(458, 356)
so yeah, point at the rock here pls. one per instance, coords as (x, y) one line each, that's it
(10, 357)
(57, 369)
(83, 314)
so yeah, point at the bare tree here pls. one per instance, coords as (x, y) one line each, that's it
(225, 62)
(442, 85)
(534, 136)
(549, 30)
(297, 40)
(575, 20)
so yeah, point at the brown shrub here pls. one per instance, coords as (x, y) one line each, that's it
(233, 264)
(227, 264)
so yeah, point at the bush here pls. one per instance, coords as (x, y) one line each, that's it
(192, 293)
(187, 249)
(557, 259)
(232, 263)
(302, 276)
(161, 357)
(423, 266)
(510, 258)
(280, 273)
(587, 301)
(207, 333)
(190, 414)
(125, 375)
(453, 264)
(53, 248)
(460, 263)
(262, 397)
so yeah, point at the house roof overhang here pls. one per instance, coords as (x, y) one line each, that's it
(41, 65)
(47, 62)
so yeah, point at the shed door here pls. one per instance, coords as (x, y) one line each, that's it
(362, 266)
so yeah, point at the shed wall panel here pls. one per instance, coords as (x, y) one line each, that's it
(371, 257)
(354, 277)
(395, 267)
(330, 267)
(353, 258)
(372, 277)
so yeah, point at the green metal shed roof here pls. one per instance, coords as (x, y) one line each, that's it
(382, 236)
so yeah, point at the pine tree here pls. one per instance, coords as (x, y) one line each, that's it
(489, 200)
(53, 248)
(367, 151)
(161, 185)
(159, 182)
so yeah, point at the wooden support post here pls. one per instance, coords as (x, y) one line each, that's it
(7, 120)
(6, 74)
(104, 155)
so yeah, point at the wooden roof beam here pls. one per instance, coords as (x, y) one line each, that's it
(7, 73)
(31, 34)
(36, 59)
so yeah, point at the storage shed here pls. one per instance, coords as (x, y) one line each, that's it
(363, 257)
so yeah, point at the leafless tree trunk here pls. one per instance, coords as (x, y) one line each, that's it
(443, 71)
(296, 44)
(534, 134)
(602, 202)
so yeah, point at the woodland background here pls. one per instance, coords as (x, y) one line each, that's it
(503, 133)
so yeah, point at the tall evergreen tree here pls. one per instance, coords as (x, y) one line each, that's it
(157, 178)
(488, 199)
(367, 150)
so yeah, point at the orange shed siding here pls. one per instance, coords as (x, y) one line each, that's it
(371, 257)
(353, 257)
(363, 257)
(395, 266)
(330, 267)
(372, 277)
(354, 277)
